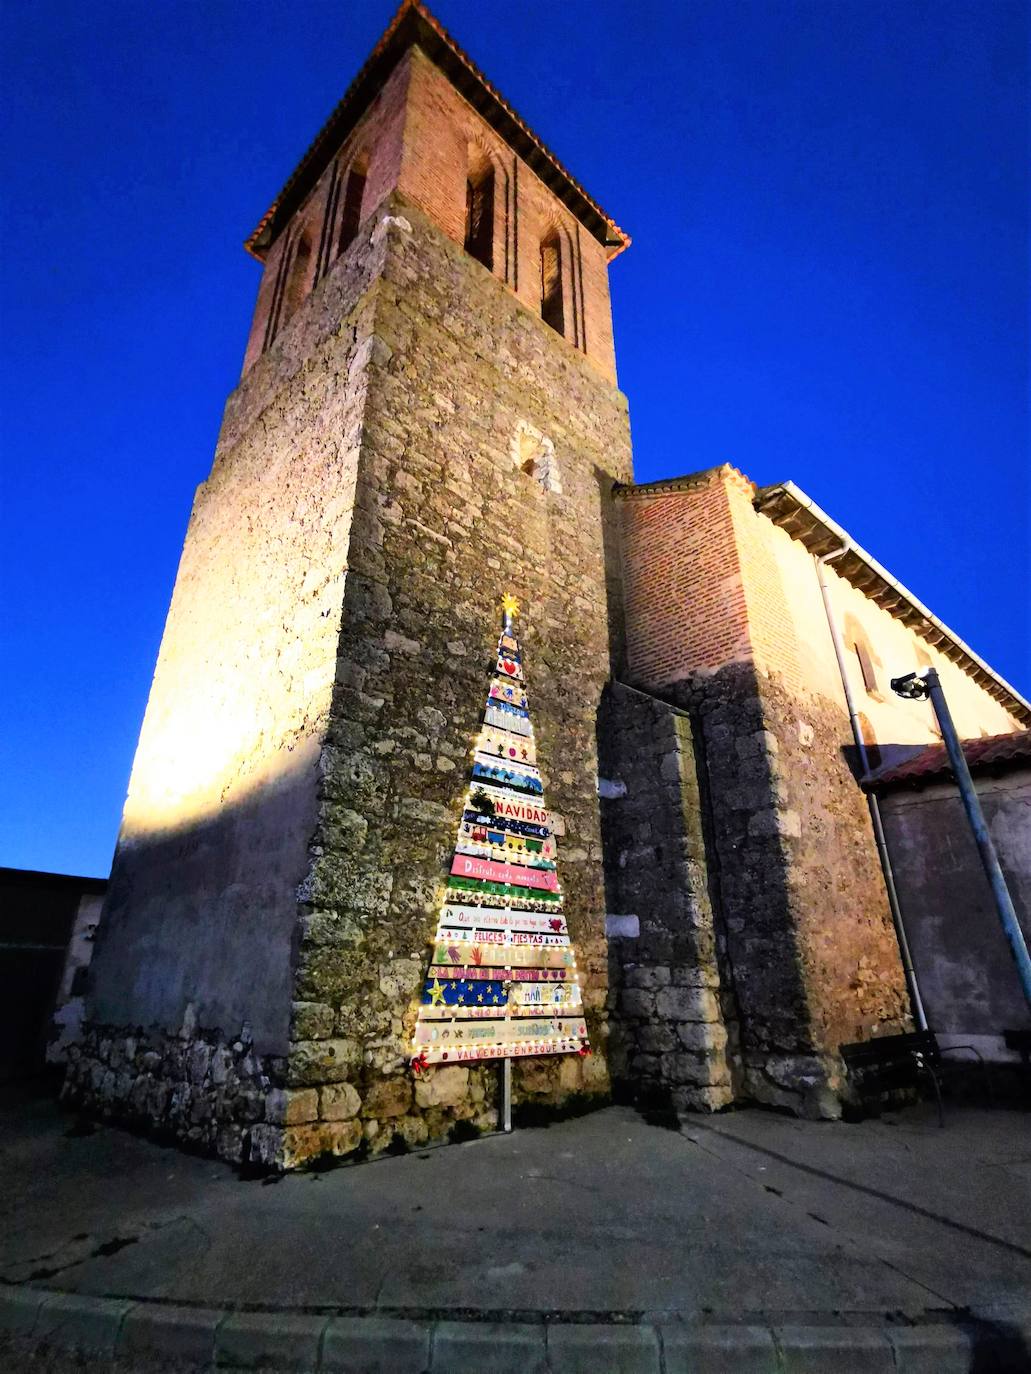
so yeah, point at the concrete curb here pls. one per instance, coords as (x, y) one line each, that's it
(373, 1344)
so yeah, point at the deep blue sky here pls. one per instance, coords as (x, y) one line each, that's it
(828, 283)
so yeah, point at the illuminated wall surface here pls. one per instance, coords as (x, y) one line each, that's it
(222, 799)
(245, 675)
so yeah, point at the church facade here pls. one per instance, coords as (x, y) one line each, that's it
(428, 418)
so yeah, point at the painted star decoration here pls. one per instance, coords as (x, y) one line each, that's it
(509, 604)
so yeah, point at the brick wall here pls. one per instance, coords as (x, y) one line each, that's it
(379, 137)
(418, 135)
(685, 597)
(440, 128)
(767, 586)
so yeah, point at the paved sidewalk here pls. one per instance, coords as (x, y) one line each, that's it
(745, 1241)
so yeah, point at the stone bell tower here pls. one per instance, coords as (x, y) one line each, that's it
(428, 417)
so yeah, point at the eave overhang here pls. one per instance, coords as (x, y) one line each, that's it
(414, 26)
(796, 513)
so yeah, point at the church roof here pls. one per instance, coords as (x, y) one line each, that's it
(414, 25)
(790, 508)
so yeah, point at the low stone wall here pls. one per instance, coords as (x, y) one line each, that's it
(221, 1097)
(201, 1090)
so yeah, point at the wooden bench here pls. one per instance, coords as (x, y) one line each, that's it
(892, 1062)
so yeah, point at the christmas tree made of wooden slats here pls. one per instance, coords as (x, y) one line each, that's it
(502, 980)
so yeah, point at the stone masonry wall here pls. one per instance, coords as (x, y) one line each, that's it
(750, 863)
(810, 959)
(810, 950)
(200, 926)
(964, 966)
(855, 987)
(209, 1093)
(445, 522)
(668, 1022)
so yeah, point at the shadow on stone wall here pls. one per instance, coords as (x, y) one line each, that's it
(668, 1035)
(778, 1061)
(188, 1002)
(964, 966)
(612, 553)
(809, 947)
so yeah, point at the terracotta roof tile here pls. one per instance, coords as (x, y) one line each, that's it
(991, 751)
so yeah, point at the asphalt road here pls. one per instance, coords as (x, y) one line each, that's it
(747, 1213)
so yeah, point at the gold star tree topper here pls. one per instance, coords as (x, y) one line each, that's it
(509, 605)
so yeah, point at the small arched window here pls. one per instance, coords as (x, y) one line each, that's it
(351, 210)
(551, 282)
(867, 659)
(479, 209)
(866, 669)
(297, 281)
(534, 454)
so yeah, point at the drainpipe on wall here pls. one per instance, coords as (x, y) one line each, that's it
(872, 802)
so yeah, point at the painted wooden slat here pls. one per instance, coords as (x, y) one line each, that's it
(484, 1032)
(514, 918)
(460, 952)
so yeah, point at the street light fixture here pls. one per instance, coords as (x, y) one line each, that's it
(911, 686)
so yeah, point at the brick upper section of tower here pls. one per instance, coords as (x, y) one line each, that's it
(420, 119)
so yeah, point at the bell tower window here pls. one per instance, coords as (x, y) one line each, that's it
(551, 283)
(351, 213)
(297, 281)
(479, 211)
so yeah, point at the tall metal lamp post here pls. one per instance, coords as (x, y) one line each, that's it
(925, 685)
